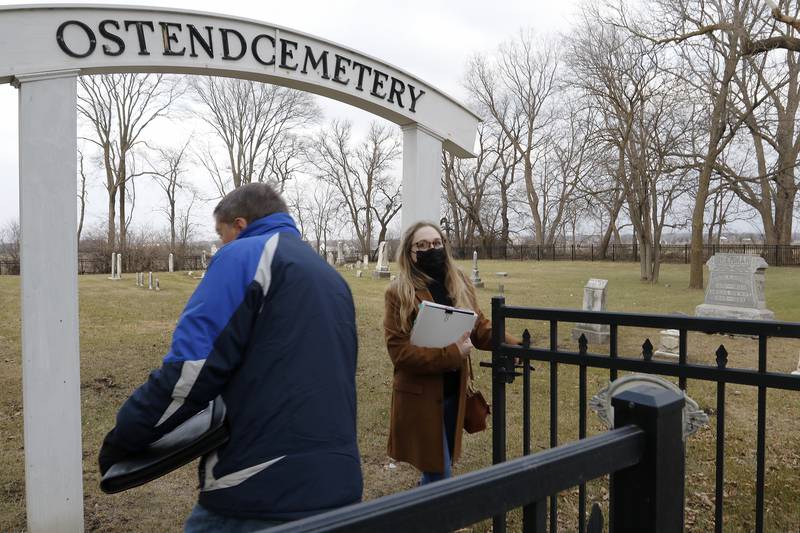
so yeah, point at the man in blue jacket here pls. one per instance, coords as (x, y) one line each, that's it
(271, 328)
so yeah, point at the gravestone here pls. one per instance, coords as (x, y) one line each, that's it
(797, 372)
(594, 299)
(366, 262)
(359, 274)
(735, 288)
(113, 266)
(119, 266)
(382, 268)
(501, 274)
(331, 260)
(150, 282)
(171, 263)
(340, 253)
(476, 275)
(670, 340)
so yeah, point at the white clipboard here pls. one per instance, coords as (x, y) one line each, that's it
(439, 325)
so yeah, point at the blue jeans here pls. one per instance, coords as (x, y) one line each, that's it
(450, 411)
(201, 520)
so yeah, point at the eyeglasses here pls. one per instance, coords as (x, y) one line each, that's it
(423, 245)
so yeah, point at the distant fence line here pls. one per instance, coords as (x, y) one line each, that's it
(92, 265)
(775, 255)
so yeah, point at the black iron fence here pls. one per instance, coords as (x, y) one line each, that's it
(775, 255)
(9, 268)
(93, 265)
(644, 457)
(504, 372)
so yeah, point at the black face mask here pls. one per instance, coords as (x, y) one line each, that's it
(433, 262)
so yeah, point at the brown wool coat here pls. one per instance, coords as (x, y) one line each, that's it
(415, 427)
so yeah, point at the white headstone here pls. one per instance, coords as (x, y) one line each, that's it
(340, 253)
(736, 288)
(594, 299)
(670, 341)
(382, 267)
(119, 266)
(797, 372)
(476, 275)
(331, 260)
(150, 282)
(359, 273)
(113, 265)
(171, 263)
(365, 262)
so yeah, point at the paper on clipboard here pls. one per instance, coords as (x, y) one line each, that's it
(438, 325)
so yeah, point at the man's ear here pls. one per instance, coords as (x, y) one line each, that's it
(239, 223)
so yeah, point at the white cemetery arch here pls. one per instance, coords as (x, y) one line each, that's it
(42, 51)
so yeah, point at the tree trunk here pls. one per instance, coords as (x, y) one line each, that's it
(172, 227)
(122, 230)
(112, 215)
(716, 130)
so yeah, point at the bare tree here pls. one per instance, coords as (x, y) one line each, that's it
(117, 109)
(186, 225)
(467, 185)
(710, 37)
(388, 202)
(322, 209)
(168, 171)
(81, 194)
(258, 126)
(9, 240)
(359, 173)
(514, 90)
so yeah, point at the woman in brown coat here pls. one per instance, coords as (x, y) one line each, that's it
(429, 387)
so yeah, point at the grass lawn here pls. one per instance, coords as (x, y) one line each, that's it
(125, 331)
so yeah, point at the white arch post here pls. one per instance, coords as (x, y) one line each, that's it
(49, 281)
(42, 50)
(422, 175)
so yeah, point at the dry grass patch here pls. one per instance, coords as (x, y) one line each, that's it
(125, 331)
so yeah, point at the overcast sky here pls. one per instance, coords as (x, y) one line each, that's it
(432, 39)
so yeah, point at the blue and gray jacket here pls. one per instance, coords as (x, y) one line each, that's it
(271, 328)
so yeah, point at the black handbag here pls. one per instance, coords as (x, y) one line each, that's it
(199, 435)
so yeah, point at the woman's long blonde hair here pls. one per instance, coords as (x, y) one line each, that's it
(410, 277)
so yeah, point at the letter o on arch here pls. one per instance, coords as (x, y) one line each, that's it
(89, 34)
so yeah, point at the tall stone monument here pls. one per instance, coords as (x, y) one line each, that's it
(331, 260)
(119, 266)
(366, 261)
(340, 253)
(113, 266)
(171, 262)
(382, 268)
(594, 299)
(476, 275)
(735, 288)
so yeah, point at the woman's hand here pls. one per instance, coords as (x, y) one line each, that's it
(464, 344)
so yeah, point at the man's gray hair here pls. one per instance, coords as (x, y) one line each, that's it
(250, 202)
